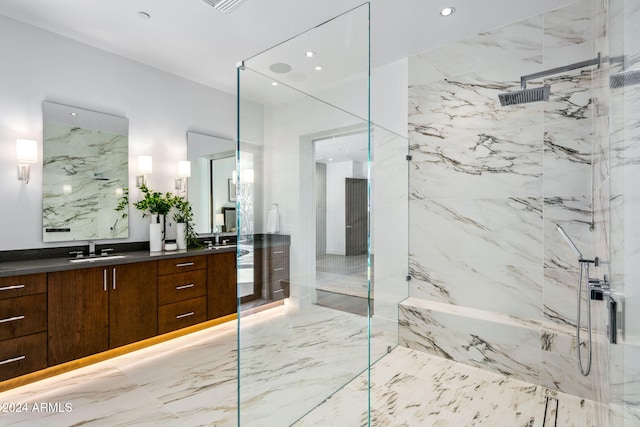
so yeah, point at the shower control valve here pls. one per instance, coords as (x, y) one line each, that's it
(599, 288)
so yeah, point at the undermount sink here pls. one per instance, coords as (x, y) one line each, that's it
(216, 247)
(97, 258)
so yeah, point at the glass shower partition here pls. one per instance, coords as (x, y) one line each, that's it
(302, 193)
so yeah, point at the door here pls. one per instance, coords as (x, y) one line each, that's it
(133, 302)
(78, 315)
(356, 219)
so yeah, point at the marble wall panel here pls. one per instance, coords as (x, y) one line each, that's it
(567, 159)
(569, 25)
(502, 231)
(494, 346)
(474, 282)
(510, 43)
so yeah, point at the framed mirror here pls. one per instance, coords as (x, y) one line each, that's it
(213, 161)
(85, 174)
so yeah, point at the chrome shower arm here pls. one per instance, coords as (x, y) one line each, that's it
(557, 70)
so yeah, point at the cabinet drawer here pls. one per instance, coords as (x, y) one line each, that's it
(22, 355)
(181, 286)
(181, 314)
(179, 265)
(277, 269)
(17, 286)
(278, 289)
(23, 316)
(277, 252)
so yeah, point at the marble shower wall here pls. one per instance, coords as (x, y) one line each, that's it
(619, 175)
(487, 186)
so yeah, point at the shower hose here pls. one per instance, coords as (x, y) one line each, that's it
(584, 267)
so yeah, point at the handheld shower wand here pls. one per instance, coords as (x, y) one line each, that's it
(584, 265)
(569, 242)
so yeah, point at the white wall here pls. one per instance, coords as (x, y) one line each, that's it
(161, 108)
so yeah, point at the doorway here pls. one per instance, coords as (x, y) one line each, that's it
(342, 223)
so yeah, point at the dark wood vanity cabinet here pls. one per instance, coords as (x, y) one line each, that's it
(23, 325)
(91, 310)
(271, 270)
(50, 318)
(222, 285)
(182, 292)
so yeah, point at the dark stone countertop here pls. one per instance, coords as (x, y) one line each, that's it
(48, 265)
(15, 263)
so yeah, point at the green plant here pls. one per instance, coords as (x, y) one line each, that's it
(123, 202)
(154, 203)
(184, 213)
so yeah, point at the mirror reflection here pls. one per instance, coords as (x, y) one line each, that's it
(212, 190)
(85, 173)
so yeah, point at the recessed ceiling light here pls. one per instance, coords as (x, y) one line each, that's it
(143, 15)
(447, 11)
(274, 83)
(318, 68)
(74, 114)
(309, 54)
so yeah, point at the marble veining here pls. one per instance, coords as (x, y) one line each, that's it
(83, 185)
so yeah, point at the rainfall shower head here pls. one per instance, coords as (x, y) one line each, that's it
(525, 95)
(541, 93)
(569, 242)
(624, 78)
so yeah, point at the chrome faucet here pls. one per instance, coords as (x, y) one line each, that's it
(92, 248)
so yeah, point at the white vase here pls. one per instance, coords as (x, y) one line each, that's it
(156, 233)
(181, 235)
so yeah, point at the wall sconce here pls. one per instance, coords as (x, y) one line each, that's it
(145, 167)
(26, 153)
(184, 172)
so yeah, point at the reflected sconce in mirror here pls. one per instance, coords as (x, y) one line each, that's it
(145, 167)
(219, 222)
(184, 172)
(26, 154)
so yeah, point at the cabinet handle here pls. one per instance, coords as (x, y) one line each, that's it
(278, 269)
(278, 252)
(184, 264)
(114, 278)
(11, 319)
(15, 359)
(180, 316)
(104, 279)
(190, 285)
(9, 288)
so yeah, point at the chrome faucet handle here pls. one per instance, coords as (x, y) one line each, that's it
(209, 244)
(599, 288)
(105, 251)
(78, 254)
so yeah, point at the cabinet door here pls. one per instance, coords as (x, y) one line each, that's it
(221, 285)
(78, 314)
(133, 303)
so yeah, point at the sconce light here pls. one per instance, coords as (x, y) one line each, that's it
(145, 167)
(26, 153)
(184, 172)
(219, 222)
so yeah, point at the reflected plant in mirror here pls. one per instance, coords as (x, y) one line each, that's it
(85, 174)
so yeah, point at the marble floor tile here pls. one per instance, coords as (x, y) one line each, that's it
(191, 381)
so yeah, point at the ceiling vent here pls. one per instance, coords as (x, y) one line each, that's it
(224, 6)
